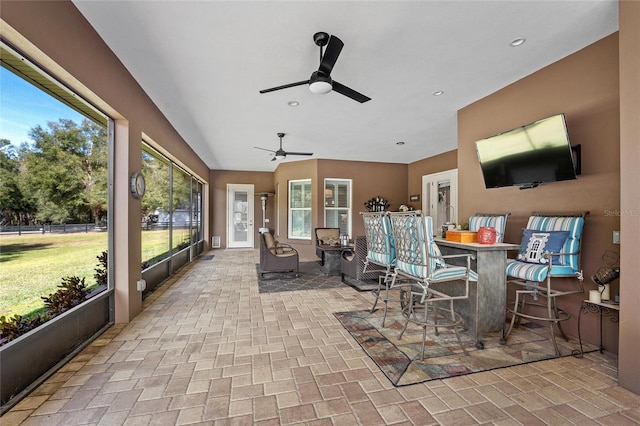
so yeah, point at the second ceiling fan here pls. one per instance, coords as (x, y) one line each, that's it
(281, 154)
(320, 81)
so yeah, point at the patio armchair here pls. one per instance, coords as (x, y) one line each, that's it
(329, 236)
(276, 256)
(353, 262)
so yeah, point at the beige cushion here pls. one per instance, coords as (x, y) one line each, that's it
(328, 236)
(269, 241)
(272, 244)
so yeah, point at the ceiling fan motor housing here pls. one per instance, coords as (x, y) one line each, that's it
(319, 83)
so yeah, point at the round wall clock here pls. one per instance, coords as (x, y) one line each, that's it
(137, 185)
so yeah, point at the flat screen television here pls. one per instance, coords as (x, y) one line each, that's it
(529, 155)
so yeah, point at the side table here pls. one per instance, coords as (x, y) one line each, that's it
(603, 309)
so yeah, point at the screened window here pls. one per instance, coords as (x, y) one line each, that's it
(54, 192)
(181, 209)
(337, 204)
(300, 209)
(171, 208)
(155, 207)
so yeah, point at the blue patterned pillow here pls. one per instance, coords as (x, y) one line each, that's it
(535, 244)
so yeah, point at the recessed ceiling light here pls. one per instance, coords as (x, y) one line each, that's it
(517, 42)
(438, 93)
(293, 103)
(400, 143)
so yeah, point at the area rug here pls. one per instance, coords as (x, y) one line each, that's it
(398, 359)
(310, 278)
(361, 285)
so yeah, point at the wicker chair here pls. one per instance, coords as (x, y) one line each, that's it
(277, 257)
(326, 236)
(353, 262)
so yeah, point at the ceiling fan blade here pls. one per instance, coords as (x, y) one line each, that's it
(331, 54)
(299, 153)
(344, 90)
(264, 149)
(286, 86)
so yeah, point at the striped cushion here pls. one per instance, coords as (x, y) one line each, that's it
(380, 244)
(419, 265)
(497, 222)
(536, 272)
(553, 223)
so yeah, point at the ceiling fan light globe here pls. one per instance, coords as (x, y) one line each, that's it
(279, 157)
(320, 87)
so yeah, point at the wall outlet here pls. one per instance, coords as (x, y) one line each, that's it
(141, 285)
(616, 237)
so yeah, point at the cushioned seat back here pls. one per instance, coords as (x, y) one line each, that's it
(416, 251)
(572, 224)
(380, 244)
(496, 221)
(269, 241)
(327, 235)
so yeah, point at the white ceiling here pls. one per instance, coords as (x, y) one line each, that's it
(203, 63)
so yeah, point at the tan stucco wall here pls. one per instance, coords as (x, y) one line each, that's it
(585, 87)
(261, 181)
(628, 366)
(436, 164)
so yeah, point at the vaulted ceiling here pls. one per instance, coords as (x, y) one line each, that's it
(204, 62)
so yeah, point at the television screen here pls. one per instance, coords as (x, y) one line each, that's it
(527, 156)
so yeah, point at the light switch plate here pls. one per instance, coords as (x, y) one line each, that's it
(616, 237)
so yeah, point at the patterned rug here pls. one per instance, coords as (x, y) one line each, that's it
(397, 359)
(310, 278)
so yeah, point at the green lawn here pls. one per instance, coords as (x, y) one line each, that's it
(33, 265)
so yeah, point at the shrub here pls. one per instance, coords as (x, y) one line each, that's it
(18, 325)
(73, 291)
(101, 270)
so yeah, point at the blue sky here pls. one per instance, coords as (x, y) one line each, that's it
(23, 107)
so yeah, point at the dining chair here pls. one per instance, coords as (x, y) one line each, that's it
(549, 251)
(381, 254)
(425, 301)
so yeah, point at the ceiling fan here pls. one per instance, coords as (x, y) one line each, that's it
(281, 154)
(320, 81)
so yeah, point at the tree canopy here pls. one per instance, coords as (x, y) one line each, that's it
(61, 177)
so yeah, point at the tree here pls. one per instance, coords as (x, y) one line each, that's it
(97, 180)
(64, 172)
(12, 202)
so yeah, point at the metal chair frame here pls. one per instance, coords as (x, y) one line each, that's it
(419, 261)
(381, 254)
(535, 289)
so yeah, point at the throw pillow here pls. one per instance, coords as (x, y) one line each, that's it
(536, 244)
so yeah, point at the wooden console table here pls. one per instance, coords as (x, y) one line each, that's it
(487, 301)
